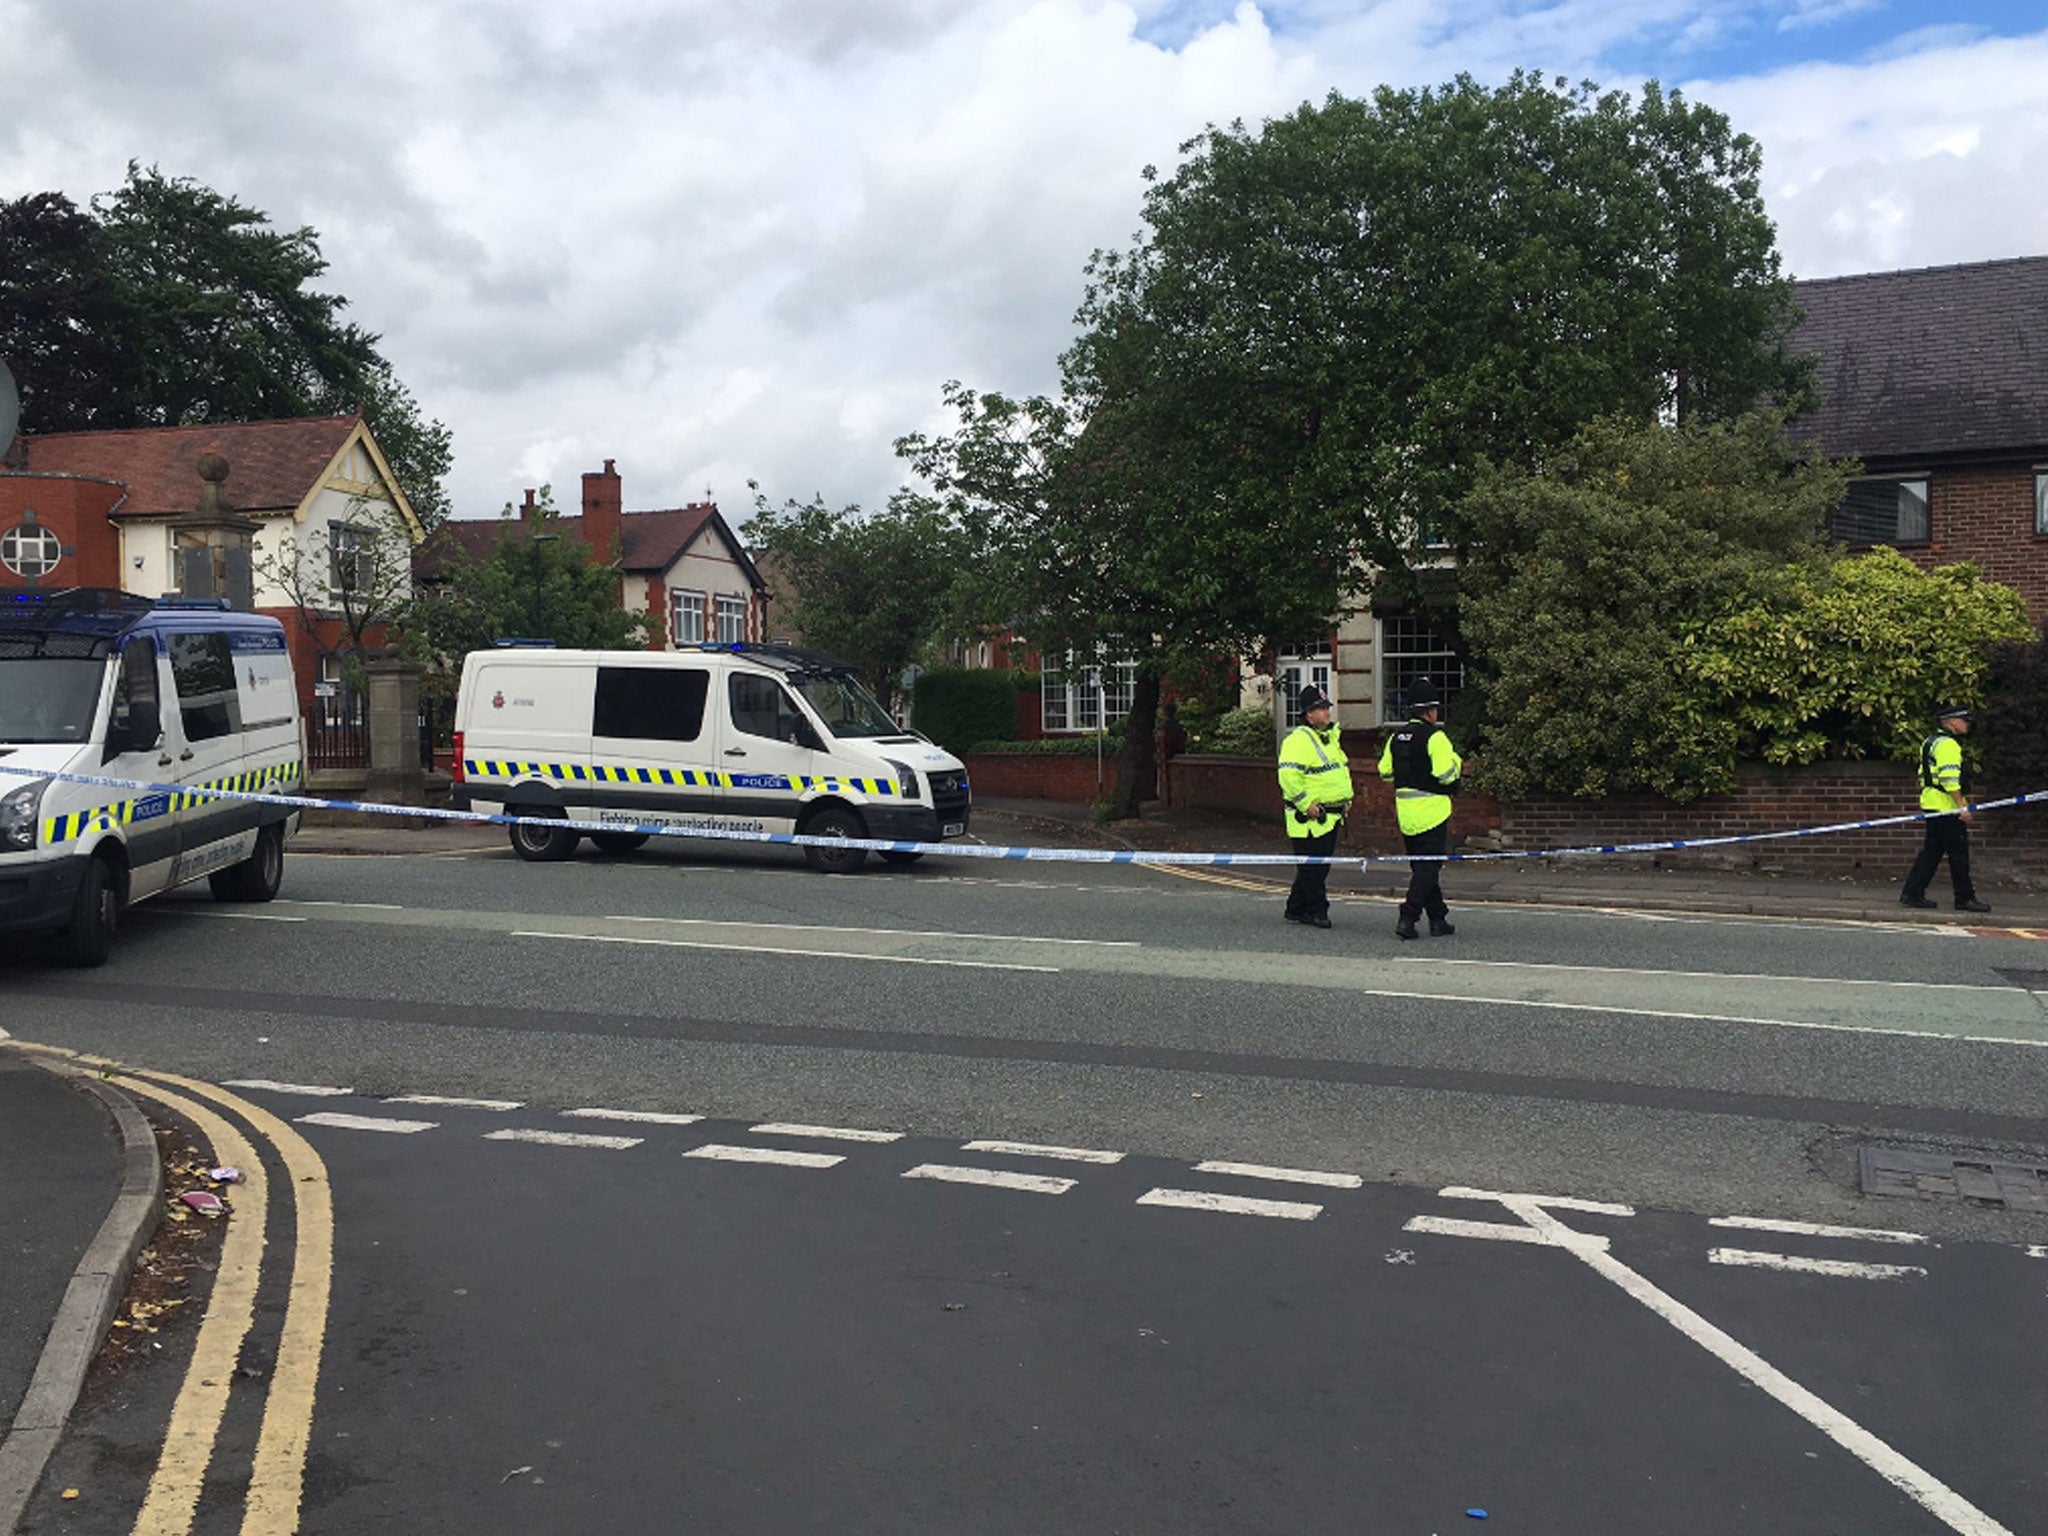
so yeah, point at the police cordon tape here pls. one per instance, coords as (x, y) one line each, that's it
(987, 850)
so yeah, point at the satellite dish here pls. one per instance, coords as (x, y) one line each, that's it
(10, 409)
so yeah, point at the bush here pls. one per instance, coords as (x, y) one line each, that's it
(1053, 746)
(2015, 718)
(1239, 733)
(960, 706)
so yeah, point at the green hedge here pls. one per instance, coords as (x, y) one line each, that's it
(1055, 746)
(960, 706)
(1239, 733)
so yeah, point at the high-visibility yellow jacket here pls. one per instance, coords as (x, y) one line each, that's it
(1314, 771)
(1941, 772)
(1424, 766)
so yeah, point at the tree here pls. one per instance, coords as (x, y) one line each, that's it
(170, 304)
(1594, 569)
(874, 591)
(357, 573)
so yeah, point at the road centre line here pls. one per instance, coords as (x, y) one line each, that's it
(1230, 1205)
(1815, 1229)
(1558, 1202)
(233, 917)
(1840, 1269)
(265, 1085)
(725, 1154)
(1032, 1149)
(993, 1178)
(639, 1116)
(362, 906)
(500, 1105)
(901, 933)
(1490, 1231)
(564, 1139)
(1283, 1175)
(369, 1123)
(1629, 970)
(771, 949)
(823, 1132)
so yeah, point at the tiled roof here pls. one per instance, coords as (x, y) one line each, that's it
(1938, 361)
(649, 541)
(271, 464)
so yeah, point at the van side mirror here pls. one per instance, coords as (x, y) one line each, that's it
(143, 730)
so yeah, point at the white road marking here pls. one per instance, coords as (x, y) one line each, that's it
(2037, 1250)
(364, 906)
(1633, 970)
(265, 1085)
(994, 1178)
(500, 1105)
(369, 1123)
(1933, 1495)
(1230, 1205)
(902, 933)
(640, 1116)
(1031, 1149)
(236, 917)
(565, 1139)
(1283, 1175)
(1492, 1231)
(1815, 1229)
(1840, 1269)
(824, 1132)
(772, 949)
(1559, 1202)
(788, 1159)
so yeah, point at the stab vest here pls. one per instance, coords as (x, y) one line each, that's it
(1410, 746)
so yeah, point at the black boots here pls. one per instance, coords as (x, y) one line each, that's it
(1441, 928)
(1972, 905)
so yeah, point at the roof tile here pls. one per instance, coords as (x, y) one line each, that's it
(271, 464)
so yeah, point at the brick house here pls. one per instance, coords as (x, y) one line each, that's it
(102, 509)
(682, 567)
(1937, 380)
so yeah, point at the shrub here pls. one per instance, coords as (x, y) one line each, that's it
(2015, 719)
(1052, 746)
(1240, 733)
(960, 706)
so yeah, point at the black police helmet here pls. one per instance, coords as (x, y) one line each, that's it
(1422, 694)
(1313, 697)
(1956, 712)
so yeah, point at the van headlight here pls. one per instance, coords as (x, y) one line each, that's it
(19, 810)
(906, 781)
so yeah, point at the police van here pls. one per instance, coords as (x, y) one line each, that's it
(743, 738)
(182, 695)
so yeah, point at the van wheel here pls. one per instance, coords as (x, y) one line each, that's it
(88, 938)
(901, 860)
(617, 842)
(258, 876)
(835, 821)
(543, 845)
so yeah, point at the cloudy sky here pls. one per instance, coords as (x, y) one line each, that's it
(723, 242)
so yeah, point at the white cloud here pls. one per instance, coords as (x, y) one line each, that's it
(721, 242)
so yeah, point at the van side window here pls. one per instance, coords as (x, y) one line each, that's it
(134, 684)
(650, 703)
(762, 707)
(203, 668)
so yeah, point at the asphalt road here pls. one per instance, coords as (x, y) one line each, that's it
(1216, 1280)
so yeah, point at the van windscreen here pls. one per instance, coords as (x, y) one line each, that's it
(48, 698)
(848, 710)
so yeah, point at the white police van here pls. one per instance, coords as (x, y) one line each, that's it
(183, 695)
(747, 738)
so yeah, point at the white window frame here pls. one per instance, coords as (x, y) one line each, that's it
(30, 565)
(680, 599)
(1403, 659)
(1295, 670)
(730, 615)
(1078, 700)
(349, 549)
(2041, 503)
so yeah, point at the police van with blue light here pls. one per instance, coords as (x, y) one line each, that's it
(179, 696)
(738, 738)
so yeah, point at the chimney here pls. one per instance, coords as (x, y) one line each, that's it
(529, 511)
(602, 513)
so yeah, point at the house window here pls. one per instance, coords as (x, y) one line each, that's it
(1087, 698)
(30, 551)
(348, 558)
(732, 619)
(1298, 668)
(2041, 503)
(686, 617)
(1412, 647)
(1883, 512)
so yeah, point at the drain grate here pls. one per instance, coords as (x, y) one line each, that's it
(1980, 1178)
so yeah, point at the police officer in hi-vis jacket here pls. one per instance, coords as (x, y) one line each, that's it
(1943, 785)
(1315, 784)
(1425, 769)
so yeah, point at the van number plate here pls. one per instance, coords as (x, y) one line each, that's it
(953, 829)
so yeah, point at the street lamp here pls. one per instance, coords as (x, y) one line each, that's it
(534, 545)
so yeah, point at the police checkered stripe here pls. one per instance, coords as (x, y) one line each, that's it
(121, 813)
(482, 770)
(994, 851)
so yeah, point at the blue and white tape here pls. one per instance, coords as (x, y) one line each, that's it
(987, 850)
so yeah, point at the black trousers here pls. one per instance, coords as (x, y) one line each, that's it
(1425, 893)
(1310, 896)
(1945, 835)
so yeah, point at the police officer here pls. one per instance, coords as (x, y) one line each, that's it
(1943, 782)
(1315, 783)
(1425, 769)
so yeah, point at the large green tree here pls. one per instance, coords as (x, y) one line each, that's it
(170, 304)
(877, 591)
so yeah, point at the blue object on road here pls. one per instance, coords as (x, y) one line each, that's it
(1475, 1514)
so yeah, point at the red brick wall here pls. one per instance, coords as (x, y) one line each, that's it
(1037, 776)
(75, 509)
(1986, 514)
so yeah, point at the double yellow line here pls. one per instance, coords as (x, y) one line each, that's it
(277, 1477)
